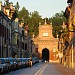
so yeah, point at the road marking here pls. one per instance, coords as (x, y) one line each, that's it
(39, 72)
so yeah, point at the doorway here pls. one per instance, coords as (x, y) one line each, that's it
(45, 54)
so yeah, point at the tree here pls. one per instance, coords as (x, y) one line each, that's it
(57, 21)
(24, 15)
(32, 19)
(35, 19)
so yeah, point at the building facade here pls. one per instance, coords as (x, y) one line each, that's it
(14, 39)
(72, 32)
(5, 35)
(70, 50)
(45, 44)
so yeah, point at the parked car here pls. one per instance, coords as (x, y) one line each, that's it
(27, 61)
(35, 60)
(19, 60)
(4, 67)
(16, 62)
(1, 68)
(24, 62)
(11, 63)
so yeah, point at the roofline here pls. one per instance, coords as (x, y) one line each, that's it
(5, 16)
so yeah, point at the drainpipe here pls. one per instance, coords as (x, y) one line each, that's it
(72, 57)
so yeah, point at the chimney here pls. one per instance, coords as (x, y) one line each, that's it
(0, 5)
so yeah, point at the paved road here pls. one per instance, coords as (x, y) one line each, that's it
(38, 69)
(52, 70)
(27, 71)
(49, 69)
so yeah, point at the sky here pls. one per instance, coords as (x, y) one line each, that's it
(46, 8)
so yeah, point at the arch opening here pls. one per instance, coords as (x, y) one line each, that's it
(45, 54)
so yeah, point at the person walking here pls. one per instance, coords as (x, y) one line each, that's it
(30, 62)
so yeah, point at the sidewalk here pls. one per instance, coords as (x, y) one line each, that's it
(65, 70)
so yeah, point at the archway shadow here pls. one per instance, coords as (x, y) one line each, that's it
(45, 55)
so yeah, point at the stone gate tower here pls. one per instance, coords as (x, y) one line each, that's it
(45, 44)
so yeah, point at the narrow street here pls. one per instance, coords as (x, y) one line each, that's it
(50, 69)
(39, 69)
(37, 37)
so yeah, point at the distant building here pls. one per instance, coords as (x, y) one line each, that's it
(45, 45)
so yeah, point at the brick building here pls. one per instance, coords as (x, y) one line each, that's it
(45, 44)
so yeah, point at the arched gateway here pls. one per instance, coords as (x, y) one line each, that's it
(45, 43)
(45, 54)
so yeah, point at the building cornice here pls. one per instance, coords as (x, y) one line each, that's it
(5, 16)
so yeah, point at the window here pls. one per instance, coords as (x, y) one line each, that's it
(0, 19)
(25, 46)
(45, 34)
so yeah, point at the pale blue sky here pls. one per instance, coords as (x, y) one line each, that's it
(46, 8)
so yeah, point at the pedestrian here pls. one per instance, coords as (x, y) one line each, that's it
(30, 62)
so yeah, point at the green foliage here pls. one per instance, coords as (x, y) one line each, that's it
(57, 21)
(30, 19)
(24, 15)
(33, 19)
(34, 23)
